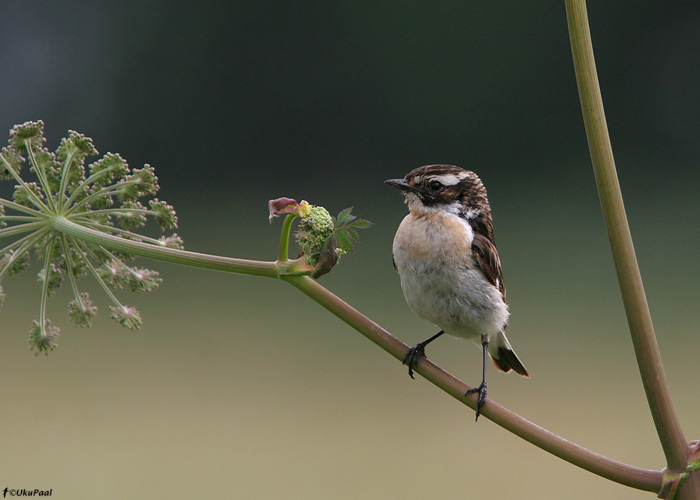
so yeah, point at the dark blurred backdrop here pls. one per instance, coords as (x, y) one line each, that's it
(242, 388)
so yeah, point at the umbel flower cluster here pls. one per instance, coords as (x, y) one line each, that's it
(105, 196)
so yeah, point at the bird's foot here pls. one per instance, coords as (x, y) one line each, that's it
(412, 356)
(482, 397)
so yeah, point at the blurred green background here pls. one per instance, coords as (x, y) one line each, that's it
(238, 387)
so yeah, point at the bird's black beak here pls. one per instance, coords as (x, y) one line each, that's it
(402, 185)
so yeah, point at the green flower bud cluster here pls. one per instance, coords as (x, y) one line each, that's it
(321, 237)
(106, 195)
(313, 232)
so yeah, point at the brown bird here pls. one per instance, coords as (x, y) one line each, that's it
(450, 271)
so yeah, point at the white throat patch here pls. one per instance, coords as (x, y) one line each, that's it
(415, 205)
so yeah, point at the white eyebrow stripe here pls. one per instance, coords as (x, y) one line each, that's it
(446, 179)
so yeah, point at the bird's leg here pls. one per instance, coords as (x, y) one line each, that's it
(482, 388)
(414, 353)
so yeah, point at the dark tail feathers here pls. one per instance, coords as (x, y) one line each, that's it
(504, 357)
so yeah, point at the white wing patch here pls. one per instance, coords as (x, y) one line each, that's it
(471, 213)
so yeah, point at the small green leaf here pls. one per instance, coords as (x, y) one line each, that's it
(343, 239)
(344, 216)
(361, 224)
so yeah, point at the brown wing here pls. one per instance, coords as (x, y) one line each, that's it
(486, 257)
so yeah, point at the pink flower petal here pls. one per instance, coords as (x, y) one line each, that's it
(281, 206)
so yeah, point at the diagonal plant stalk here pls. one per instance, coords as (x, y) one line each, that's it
(294, 272)
(646, 348)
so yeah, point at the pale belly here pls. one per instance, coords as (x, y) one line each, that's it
(440, 279)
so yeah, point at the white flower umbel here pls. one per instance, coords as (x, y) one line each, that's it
(103, 196)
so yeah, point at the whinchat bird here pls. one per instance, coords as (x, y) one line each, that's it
(449, 267)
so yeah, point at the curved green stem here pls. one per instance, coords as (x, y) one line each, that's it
(21, 228)
(283, 255)
(118, 211)
(64, 177)
(21, 208)
(638, 316)
(99, 227)
(628, 475)
(183, 257)
(19, 218)
(40, 174)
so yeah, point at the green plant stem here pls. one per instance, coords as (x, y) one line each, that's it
(85, 251)
(21, 228)
(175, 256)
(70, 273)
(628, 475)
(41, 175)
(65, 174)
(45, 289)
(21, 208)
(284, 238)
(646, 348)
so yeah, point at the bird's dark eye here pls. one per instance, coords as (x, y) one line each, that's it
(435, 185)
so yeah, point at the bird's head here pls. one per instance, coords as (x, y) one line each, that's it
(435, 188)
